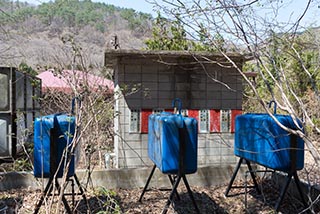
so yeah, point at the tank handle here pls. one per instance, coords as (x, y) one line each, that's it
(179, 105)
(73, 103)
(275, 106)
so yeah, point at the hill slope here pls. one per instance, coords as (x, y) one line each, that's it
(43, 35)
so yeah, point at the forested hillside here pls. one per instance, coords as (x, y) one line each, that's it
(37, 35)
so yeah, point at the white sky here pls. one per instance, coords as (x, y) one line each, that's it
(290, 13)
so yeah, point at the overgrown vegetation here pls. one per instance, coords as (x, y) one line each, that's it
(171, 35)
(288, 63)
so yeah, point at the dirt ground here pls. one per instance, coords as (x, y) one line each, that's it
(209, 200)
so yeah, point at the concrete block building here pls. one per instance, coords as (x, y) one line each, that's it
(145, 82)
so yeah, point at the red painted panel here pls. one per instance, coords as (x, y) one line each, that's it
(234, 113)
(193, 113)
(215, 120)
(169, 110)
(144, 119)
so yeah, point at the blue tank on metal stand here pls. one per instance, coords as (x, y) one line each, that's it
(53, 135)
(172, 146)
(166, 130)
(258, 138)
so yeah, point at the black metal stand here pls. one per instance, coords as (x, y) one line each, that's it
(283, 190)
(175, 183)
(147, 184)
(177, 177)
(53, 182)
(172, 181)
(235, 175)
(246, 184)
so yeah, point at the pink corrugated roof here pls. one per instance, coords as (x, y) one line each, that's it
(67, 79)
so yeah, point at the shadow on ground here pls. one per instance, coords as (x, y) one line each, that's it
(203, 201)
(155, 200)
(99, 204)
(10, 204)
(270, 195)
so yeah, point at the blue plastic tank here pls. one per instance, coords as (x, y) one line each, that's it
(53, 134)
(258, 138)
(166, 130)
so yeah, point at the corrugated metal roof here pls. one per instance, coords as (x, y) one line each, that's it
(66, 79)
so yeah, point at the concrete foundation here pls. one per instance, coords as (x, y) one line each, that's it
(124, 178)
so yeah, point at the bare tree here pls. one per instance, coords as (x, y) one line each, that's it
(273, 42)
(94, 116)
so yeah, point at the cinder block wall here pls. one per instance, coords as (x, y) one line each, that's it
(143, 85)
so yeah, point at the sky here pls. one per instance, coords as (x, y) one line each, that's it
(289, 13)
(138, 5)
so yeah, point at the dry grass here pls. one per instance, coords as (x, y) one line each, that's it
(209, 200)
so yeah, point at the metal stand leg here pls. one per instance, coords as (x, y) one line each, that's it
(54, 183)
(175, 186)
(165, 209)
(64, 200)
(297, 181)
(175, 183)
(283, 191)
(172, 183)
(47, 190)
(245, 190)
(80, 189)
(233, 177)
(72, 191)
(147, 184)
(253, 176)
(190, 194)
